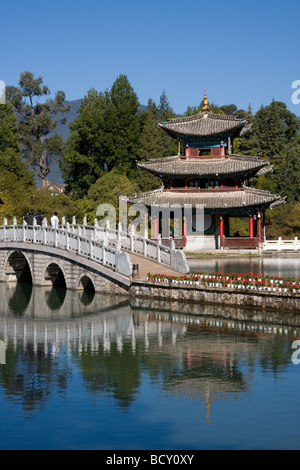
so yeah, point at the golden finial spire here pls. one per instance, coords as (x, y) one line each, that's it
(205, 107)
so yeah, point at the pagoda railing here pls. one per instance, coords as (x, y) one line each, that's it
(239, 243)
(179, 243)
(204, 190)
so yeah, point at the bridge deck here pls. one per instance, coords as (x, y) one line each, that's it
(147, 266)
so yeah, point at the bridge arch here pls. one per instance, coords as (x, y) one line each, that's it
(17, 267)
(54, 275)
(86, 283)
(49, 266)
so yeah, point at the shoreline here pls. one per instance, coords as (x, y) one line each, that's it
(201, 294)
(238, 254)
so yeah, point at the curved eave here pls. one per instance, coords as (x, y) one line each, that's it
(175, 167)
(218, 200)
(204, 125)
(235, 131)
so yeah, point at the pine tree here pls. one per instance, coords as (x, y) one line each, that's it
(275, 136)
(122, 125)
(168, 145)
(105, 135)
(151, 135)
(84, 158)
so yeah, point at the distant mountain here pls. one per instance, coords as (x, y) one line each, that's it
(63, 129)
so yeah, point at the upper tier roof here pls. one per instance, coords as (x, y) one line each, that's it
(204, 124)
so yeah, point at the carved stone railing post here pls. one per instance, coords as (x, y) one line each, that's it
(45, 233)
(158, 248)
(131, 235)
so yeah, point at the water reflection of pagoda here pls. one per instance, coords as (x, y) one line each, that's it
(209, 174)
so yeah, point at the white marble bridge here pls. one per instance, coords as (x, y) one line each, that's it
(81, 255)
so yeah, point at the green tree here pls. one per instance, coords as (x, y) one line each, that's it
(107, 190)
(10, 158)
(150, 142)
(84, 158)
(105, 135)
(40, 146)
(275, 136)
(122, 125)
(168, 146)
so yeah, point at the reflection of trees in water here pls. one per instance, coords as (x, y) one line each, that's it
(117, 373)
(31, 376)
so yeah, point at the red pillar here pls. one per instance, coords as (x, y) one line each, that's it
(221, 226)
(251, 226)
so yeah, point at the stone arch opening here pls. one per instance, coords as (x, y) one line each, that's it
(88, 294)
(17, 268)
(86, 284)
(55, 276)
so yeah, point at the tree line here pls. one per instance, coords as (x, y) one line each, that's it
(109, 135)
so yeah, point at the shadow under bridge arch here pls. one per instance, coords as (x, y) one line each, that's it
(87, 286)
(17, 268)
(54, 276)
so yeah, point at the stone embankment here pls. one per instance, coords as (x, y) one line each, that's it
(274, 300)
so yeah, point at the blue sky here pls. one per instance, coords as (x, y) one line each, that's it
(242, 52)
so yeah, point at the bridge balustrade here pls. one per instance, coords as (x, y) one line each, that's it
(101, 244)
(135, 243)
(61, 238)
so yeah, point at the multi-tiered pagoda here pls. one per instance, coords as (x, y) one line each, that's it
(209, 174)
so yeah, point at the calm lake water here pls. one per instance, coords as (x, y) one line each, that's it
(273, 265)
(85, 371)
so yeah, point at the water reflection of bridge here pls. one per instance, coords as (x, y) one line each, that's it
(41, 314)
(196, 355)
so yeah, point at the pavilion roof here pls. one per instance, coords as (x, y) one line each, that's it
(214, 198)
(233, 164)
(203, 124)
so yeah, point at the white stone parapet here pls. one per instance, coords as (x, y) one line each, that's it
(107, 246)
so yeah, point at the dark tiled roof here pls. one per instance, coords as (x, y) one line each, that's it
(211, 198)
(203, 124)
(233, 164)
